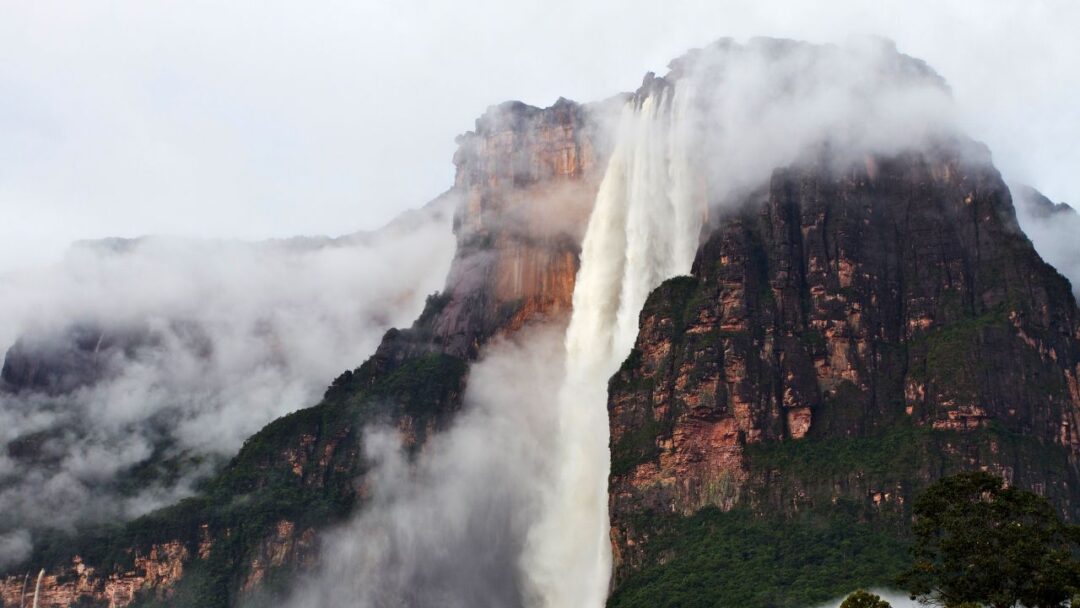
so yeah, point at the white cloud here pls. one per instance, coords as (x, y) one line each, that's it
(279, 118)
(229, 336)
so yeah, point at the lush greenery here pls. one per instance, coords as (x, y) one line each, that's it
(737, 559)
(896, 451)
(980, 541)
(864, 599)
(830, 543)
(904, 457)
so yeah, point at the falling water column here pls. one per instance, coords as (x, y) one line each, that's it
(644, 229)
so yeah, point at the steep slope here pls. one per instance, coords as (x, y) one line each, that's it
(525, 179)
(846, 337)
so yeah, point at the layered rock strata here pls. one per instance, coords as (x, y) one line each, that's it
(896, 296)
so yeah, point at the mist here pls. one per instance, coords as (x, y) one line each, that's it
(194, 346)
(1053, 228)
(448, 528)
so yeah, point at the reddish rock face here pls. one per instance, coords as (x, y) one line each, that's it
(843, 305)
(286, 546)
(156, 572)
(527, 179)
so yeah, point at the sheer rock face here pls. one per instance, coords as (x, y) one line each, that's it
(527, 179)
(286, 546)
(896, 294)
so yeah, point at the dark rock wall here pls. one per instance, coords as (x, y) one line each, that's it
(897, 296)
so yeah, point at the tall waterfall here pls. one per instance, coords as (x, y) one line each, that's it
(644, 229)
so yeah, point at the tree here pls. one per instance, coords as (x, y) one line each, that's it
(864, 599)
(978, 541)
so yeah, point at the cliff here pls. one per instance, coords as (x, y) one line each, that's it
(846, 337)
(526, 180)
(848, 334)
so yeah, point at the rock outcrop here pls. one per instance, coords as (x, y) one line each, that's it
(526, 179)
(896, 299)
(78, 584)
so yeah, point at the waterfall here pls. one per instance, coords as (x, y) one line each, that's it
(644, 229)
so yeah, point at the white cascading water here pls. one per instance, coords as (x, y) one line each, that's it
(643, 229)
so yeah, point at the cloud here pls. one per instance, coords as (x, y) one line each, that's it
(754, 107)
(1053, 229)
(14, 547)
(174, 351)
(200, 119)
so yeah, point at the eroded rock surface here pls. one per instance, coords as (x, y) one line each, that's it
(898, 296)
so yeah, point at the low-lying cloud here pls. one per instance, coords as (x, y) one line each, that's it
(752, 108)
(187, 348)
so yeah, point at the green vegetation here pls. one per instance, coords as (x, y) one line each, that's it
(903, 453)
(842, 411)
(978, 541)
(828, 543)
(639, 445)
(813, 339)
(898, 448)
(433, 307)
(864, 599)
(952, 352)
(714, 559)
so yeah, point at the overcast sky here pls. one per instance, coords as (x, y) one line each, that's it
(274, 118)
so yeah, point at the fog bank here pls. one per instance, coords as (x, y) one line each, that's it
(164, 354)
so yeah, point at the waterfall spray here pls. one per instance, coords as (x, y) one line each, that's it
(643, 229)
